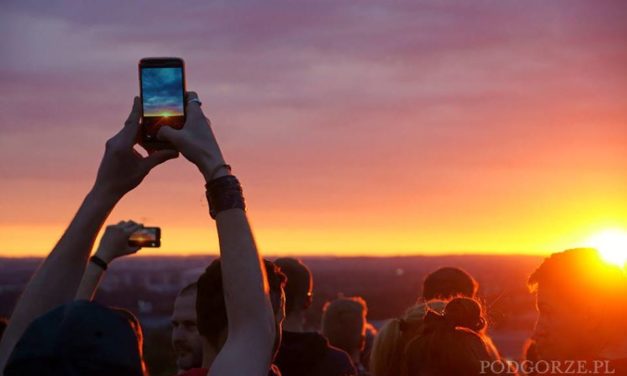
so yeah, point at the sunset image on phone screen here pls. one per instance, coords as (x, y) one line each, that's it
(162, 92)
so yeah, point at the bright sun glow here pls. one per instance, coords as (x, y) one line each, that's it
(612, 244)
(165, 114)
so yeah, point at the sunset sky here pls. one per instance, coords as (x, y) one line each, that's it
(356, 127)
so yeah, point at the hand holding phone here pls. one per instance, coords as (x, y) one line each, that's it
(115, 241)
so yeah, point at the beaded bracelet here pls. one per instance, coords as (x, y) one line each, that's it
(224, 193)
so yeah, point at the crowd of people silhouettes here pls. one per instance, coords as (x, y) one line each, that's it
(245, 315)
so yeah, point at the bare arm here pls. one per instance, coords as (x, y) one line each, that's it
(251, 330)
(114, 244)
(251, 318)
(58, 277)
(90, 282)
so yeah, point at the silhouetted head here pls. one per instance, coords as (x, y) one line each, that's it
(447, 283)
(581, 305)
(451, 343)
(299, 287)
(388, 350)
(211, 309)
(186, 341)
(344, 324)
(80, 338)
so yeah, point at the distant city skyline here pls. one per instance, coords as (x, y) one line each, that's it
(356, 128)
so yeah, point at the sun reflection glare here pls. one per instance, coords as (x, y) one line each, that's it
(612, 245)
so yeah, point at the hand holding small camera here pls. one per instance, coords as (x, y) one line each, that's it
(196, 140)
(115, 241)
(122, 168)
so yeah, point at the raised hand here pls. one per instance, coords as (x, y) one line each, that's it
(196, 140)
(114, 242)
(122, 168)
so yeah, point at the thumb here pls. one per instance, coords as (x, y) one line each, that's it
(159, 157)
(131, 250)
(169, 134)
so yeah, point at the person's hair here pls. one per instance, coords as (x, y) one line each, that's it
(580, 278)
(447, 283)
(344, 323)
(451, 343)
(210, 306)
(299, 284)
(139, 333)
(134, 324)
(387, 354)
(371, 334)
(189, 289)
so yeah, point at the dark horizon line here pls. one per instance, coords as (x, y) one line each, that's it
(314, 256)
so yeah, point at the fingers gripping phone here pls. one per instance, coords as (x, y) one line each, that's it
(162, 91)
(146, 237)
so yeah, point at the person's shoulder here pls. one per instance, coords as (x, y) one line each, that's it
(194, 372)
(340, 361)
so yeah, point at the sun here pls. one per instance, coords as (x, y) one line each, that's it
(612, 245)
(165, 114)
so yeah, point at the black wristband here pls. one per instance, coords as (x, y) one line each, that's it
(98, 261)
(224, 193)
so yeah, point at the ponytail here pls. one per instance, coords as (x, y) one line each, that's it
(452, 342)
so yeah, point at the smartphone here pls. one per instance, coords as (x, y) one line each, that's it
(162, 92)
(146, 237)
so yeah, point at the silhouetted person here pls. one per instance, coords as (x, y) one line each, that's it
(388, 351)
(582, 305)
(211, 312)
(452, 343)
(447, 283)
(186, 341)
(305, 353)
(344, 324)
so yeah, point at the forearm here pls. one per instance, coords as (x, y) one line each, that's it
(251, 326)
(56, 280)
(244, 277)
(89, 284)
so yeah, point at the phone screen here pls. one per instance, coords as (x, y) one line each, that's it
(146, 237)
(162, 91)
